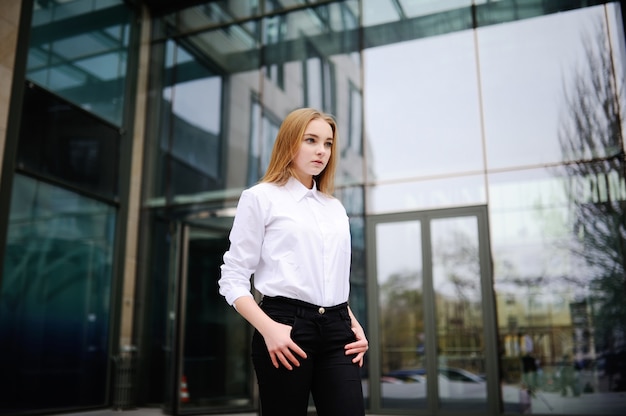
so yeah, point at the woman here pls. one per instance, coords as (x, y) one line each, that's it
(294, 237)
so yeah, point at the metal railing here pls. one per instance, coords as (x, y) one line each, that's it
(124, 367)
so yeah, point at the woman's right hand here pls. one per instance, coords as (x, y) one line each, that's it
(277, 336)
(282, 349)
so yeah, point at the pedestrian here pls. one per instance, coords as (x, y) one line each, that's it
(293, 236)
(569, 377)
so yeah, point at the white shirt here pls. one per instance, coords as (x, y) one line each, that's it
(296, 242)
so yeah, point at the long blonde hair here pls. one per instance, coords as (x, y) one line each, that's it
(287, 145)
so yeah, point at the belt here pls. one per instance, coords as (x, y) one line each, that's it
(296, 302)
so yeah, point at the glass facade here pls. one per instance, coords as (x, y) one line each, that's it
(58, 282)
(78, 50)
(482, 167)
(56, 286)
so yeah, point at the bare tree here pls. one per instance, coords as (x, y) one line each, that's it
(591, 139)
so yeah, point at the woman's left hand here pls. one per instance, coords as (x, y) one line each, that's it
(358, 347)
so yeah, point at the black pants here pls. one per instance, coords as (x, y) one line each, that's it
(327, 373)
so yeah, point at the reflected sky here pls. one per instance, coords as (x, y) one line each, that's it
(431, 122)
(523, 84)
(509, 77)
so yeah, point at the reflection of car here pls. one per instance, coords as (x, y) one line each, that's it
(453, 383)
(406, 376)
(458, 374)
(451, 374)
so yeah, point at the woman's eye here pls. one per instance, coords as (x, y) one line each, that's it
(309, 140)
(328, 144)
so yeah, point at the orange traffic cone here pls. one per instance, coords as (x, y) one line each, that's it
(184, 393)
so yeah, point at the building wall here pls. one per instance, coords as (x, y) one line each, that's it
(165, 232)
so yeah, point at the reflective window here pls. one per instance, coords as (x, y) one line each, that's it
(273, 33)
(458, 291)
(419, 195)
(215, 362)
(307, 58)
(191, 125)
(559, 275)
(62, 142)
(79, 50)
(263, 131)
(55, 299)
(355, 132)
(401, 323)
(376, 12)
(422, 115)
(319, 74)
(561, 55)
(352, 200)
(212, 13)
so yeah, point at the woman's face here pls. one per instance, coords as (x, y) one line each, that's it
(314, 152)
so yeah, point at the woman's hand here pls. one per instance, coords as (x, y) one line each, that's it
(280, 345)
(361, 345)
(277, 336)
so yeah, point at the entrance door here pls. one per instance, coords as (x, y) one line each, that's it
(432, 313)
(209, 361)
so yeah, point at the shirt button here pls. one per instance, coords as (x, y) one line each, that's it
(321, 311)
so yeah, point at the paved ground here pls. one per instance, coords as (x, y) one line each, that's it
(144, 412)
(603, 403)
(136, 412)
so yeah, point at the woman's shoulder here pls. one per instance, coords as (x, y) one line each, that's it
(262, 190)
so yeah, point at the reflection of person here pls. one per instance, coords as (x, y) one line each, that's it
(529, 370)
(569, 377)
(295, 238)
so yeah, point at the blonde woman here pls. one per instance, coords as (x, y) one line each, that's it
(294, 237)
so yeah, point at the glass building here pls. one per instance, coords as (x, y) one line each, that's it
(482, 166)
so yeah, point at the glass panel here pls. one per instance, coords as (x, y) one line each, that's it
(390, 22)
(78, 49)
(401, 311)
(559, 272)
(437, 128)
(376, 12)
(410, 196)
(460, 340)
(217, 339)
(213, 13)
(311, 59)
(62, 142)
(263, 131)
(191, 125)
(352, 200)
(489, 12)
(426, 7)
(276, 5)
(573, 50)
(249, 107)
(55, 300)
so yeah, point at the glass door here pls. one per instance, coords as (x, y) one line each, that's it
(434, 313)
(209, 367)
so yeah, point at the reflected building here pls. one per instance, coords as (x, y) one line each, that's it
(482, 167)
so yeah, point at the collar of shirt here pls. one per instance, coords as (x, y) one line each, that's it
(299, 191)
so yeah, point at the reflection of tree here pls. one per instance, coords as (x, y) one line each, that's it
(401, 319)
(460, 260)
(591, 140)
(458, 290)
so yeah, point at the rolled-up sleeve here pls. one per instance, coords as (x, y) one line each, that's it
(246, 240)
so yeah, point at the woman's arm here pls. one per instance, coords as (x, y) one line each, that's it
(277, 336)
(361, 345)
